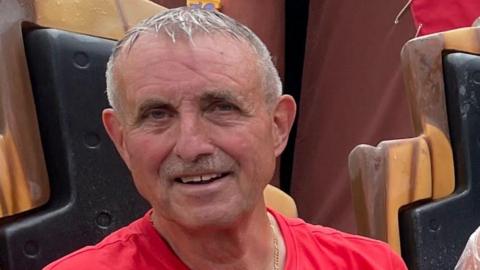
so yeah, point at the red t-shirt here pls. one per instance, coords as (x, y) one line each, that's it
(317, 247)
(139, 246)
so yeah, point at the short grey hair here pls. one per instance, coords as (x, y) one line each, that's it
(186, 22)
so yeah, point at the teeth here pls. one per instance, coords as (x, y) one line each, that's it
(199, 178)
(209, 176)
(191, 179)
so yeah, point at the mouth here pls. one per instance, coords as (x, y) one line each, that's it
(201, 179)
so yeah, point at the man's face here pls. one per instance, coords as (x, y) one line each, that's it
(195, 130)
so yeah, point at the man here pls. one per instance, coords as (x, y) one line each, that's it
(198, 117)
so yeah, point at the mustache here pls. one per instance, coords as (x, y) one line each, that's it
(174, 166)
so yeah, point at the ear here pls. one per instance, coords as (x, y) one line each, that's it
(283, 117)
(114, 127)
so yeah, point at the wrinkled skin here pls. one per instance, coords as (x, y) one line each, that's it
(197, 110)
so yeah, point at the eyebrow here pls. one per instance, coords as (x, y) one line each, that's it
(221, 95)
(244, 107)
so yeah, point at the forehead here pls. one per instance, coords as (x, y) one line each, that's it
(207, 61)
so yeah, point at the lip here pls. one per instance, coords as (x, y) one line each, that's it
(203, 190)
(200, 179)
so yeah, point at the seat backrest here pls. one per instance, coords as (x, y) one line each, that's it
(91, 190)
(435, 233)
(438, 214)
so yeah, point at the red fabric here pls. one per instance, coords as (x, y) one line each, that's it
(437, 16)
(139, 246)
(316, 247)
(352, 93)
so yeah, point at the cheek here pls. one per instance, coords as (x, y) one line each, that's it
(252, 147)
(147, 150)
(147, 153)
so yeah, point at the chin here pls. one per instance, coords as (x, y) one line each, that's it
(219, 218)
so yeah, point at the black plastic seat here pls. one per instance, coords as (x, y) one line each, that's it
(434, 234)
(92, 193)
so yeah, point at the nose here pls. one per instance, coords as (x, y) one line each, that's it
(193, 139)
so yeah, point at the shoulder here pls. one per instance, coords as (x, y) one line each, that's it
(104, 255)
(332, 237)
(365, 253)
(333, 247)
(355, 244)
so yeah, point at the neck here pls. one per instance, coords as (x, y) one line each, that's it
(248, 244)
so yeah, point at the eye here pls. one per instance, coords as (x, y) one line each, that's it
(158, 114)
(223, 107)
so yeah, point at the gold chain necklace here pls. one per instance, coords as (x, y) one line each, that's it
(276, 250)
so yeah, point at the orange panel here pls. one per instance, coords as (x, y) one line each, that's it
(385, 178)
